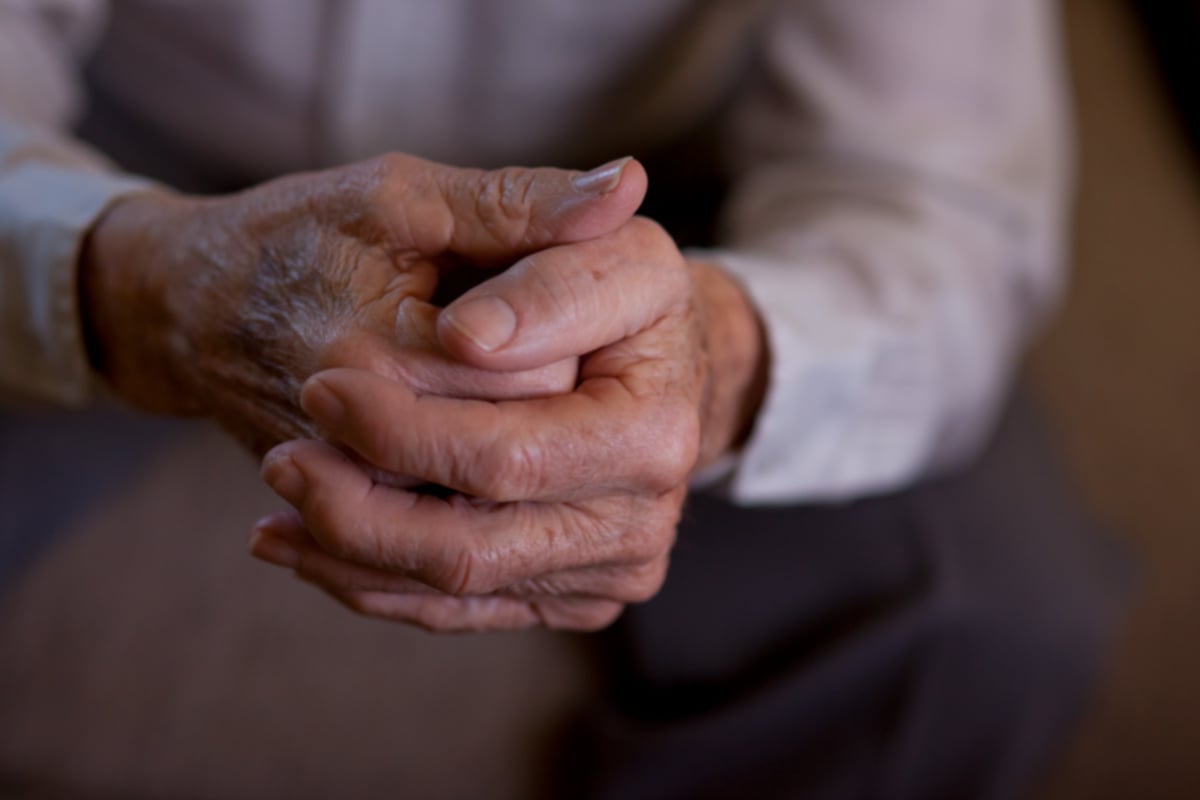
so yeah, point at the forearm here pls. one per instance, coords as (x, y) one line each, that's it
(132, 338)
(890, 350)
(736, 358)
(899, 223)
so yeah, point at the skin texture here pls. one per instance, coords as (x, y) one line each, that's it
(559, 406)
(223, 307)
(564, 508)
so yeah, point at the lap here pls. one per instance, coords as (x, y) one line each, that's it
(937, 642)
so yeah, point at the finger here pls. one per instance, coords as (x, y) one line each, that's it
(430, 369)
(451, 544)
(494, 216)
(624, 583)
(456, 545)
(568, 300)
(599, 440)
(283, 541)
(443, 614)
(410, 352)
(476, 614)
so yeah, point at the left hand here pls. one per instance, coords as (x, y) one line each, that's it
(564, 508)
(223, 306)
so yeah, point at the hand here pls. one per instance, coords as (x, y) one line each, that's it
(225, 306)
(564, 507)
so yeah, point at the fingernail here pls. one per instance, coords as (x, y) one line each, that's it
(322, 403)
(284, 477)
(273, 550)
(602, 179)
(489, 322)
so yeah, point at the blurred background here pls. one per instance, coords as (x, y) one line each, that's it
(1118, 375)
(143, 654)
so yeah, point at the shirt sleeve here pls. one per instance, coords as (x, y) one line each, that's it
(52, 189)
(898, 220)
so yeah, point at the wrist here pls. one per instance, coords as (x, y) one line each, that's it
(738, 361)
(122, 291)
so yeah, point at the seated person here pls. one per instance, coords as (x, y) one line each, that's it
(837, 617)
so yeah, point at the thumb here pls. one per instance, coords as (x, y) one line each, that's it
(499, 215)
(568, 300)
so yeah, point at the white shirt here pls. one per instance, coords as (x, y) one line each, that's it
(900, 171)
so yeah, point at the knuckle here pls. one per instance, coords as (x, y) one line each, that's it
(645, 581)
(502, 204)
(388, 165)
(386, 172)
(457, 572)
(397, 168)
(379, 447)
(323, 516)
(346, 543)
(376, 171)
(392, 163)
(660, 247)
(343, 534)
(672, 446)
(406, 198)
(654, 539)
(511, 471)
(642, 547)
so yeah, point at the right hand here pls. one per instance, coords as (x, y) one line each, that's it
(561, 509)
(225, 306)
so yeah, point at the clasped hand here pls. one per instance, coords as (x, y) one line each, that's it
(559, 407)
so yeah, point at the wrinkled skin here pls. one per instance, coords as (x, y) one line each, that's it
(565, 506)
(223, 307)
(301, 310)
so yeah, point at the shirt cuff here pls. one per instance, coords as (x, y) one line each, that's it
(842, 415)
(45, 212)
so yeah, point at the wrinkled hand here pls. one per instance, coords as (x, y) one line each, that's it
(563, 508)
(224, 306)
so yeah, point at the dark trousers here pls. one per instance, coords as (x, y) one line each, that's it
(935, 643)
